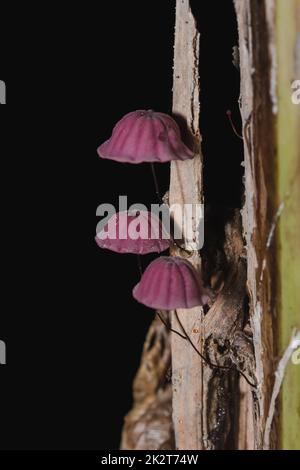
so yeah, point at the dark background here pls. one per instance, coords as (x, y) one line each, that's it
(74, 334)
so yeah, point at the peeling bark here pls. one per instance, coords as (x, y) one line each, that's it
(234, 406)
(279, 376)
(148, 426)
(205, 397)
(258, 105)
(186, 187)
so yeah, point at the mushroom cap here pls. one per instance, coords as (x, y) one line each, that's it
(169, 283)
(145, 136)
(139, 233)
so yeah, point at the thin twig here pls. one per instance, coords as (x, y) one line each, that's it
(276, 218)
(205, 358)
(279, 376)
(156, 185)
(168, 326)
(271, 236)
(232, 125)
(139, 263)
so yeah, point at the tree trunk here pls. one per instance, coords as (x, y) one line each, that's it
(268, 45)
(238, 405)
(186, 188)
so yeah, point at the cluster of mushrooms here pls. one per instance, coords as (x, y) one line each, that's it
(169, 282)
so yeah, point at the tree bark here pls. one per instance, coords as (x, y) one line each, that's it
(149, 424)
(267, 41)
(235, 407)
(186, 188)
(205, 397)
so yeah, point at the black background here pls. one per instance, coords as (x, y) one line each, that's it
(74, 334)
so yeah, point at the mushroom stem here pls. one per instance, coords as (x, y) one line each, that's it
(168, 326)
(140, 265)
(156, 183)
(232, 125)
(191, 342)
(206, 359)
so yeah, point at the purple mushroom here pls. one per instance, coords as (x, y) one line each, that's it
(169, 283)
(138, 233)
(145, 136)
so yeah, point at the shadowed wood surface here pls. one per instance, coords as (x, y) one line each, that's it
(149, 424)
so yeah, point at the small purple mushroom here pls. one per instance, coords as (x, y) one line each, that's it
(139, 233)
(145, 136)
(169, 283)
